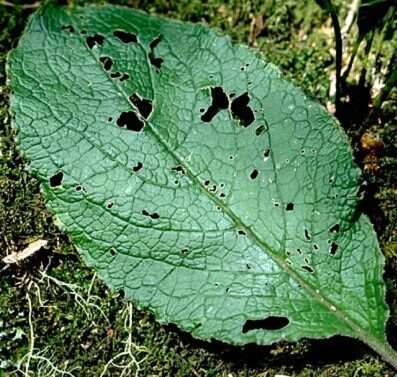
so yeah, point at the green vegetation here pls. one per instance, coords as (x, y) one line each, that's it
(53, 306)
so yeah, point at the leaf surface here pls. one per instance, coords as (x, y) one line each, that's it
(192, 176)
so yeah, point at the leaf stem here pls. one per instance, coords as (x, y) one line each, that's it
(383, 349)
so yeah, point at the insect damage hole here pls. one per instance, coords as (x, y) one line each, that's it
(130, 121)
(266, 154)
(241, 111)
(144, 106)
(124, 76)
(307, 235)
(56, 179)
(254, 174)
(153, 215)
(179, 169)
(289, 207)
(137, 167)
(107, 62)
(155, 61)
(269, 323)
(68, 28)
(333, 248)
(308, 268)
(125, 36)
(219, 102)
(95, 40)
(260, 130)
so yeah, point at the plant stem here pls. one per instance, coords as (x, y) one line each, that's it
(338, 57)
(22, 6)
(357, 44)
(390, 83)
(350, 17)
(329, 7)
(363, 75)
(383, 349)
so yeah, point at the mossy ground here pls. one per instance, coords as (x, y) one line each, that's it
(53, 306)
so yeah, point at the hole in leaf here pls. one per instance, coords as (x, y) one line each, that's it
(206, 183)
(125, 36)
(241, 110)
(241, 232)
(110, 119)
(107, 62)
(112, 252)
(333, 248)
(269, 323)
(307, 235)
(289, 207)
(222, 195)
(137, 167)
(115, 75)
(143, 105)
(178, 169)
(308, 268)
(124, 76)
(109, 205)
(266, 154)
(316, 247)
(153, 215)
(260, 130)
(213, 188)
(219, 102)
(155, 61)
(254, 174)
(78, 188)
(95, 40)
(56, 179)
(68, 28)
(248, 266)
(184, 251)
(129, 120)
(334, 228)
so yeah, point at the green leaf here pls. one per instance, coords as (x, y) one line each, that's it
(196, 179)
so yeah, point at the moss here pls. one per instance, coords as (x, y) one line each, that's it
(79, 325)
